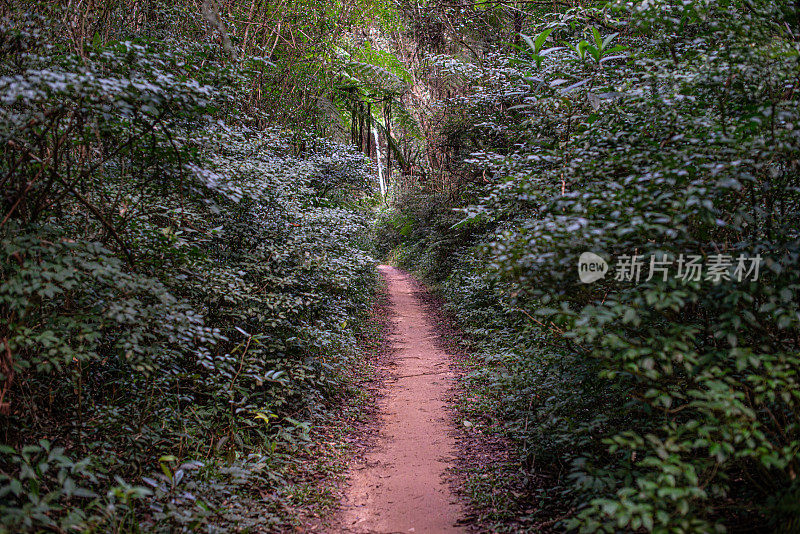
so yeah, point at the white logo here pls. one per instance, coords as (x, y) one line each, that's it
(591, 267)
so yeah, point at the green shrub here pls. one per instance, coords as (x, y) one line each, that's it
(175, 285)
(659, 405)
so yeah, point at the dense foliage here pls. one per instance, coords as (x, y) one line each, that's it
(186, 238)
(180, 286)
(655, 129)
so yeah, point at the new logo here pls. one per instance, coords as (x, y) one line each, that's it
(591, 267)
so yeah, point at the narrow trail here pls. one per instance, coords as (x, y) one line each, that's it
(400, 486)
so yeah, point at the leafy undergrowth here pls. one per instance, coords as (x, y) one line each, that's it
(664, 400)
(348, 428)
(180, 291)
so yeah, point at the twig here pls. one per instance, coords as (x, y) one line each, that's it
(551, 327)
(7, 365)
(241, 362)
(421, 374)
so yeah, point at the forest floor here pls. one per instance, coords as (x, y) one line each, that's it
(401, 482)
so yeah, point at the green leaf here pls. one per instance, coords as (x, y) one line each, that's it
(598, 41)
(541, 38)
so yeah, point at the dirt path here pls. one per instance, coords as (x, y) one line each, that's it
(399, 485)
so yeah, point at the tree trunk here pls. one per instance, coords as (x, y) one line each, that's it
(387, 110)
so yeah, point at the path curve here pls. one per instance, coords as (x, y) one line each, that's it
(400, 486)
